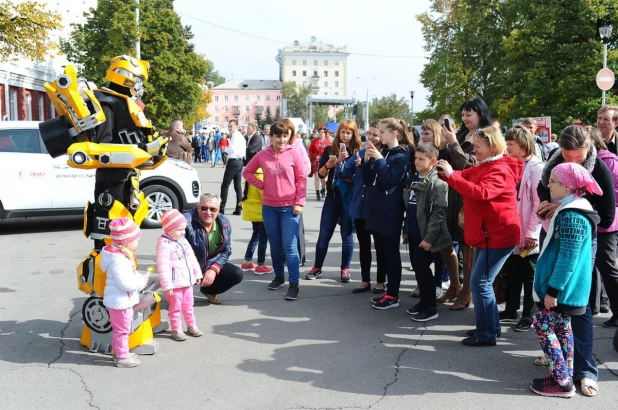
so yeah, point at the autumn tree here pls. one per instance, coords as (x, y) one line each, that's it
(25, 30)
(177, 73)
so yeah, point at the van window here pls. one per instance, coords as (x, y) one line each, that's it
(24, 141)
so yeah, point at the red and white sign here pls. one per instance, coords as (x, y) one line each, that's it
(605, 79)
(543, 127)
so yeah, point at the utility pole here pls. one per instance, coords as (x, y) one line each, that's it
(138, 46)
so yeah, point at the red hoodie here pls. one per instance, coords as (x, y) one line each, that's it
(489, 192)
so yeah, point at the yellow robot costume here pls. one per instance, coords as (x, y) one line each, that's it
(106, 129)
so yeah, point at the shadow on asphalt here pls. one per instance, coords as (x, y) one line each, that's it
(41, 224)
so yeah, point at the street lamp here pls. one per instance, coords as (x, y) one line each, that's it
(605, 31)
(412, 108)
(366, 101)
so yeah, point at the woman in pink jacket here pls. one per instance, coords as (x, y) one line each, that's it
(284, 190)
(178, 270)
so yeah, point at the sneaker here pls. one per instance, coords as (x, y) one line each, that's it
(262, 270)
(508, 316)
(415, 292)
(604, 305)
(611, 323)
(386, 302)
(194, 331)
(439, 292)
(292, 293)
(345, 275)
(179, 336)
(314, 273)
(426, 315)
(415, 310)
(248, 266)
(213, 299)
(523, 325)
(550, 388)
(237, 212)
(376, 300)
(276, 283)
(127, 362)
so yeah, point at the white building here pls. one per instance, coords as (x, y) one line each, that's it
(323, 67)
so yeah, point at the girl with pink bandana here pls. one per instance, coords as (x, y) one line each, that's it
(563, 274)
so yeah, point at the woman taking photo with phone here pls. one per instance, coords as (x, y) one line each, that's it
(333, 211)
(384, 175)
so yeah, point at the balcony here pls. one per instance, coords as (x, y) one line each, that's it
(236, 111)
(259, 110)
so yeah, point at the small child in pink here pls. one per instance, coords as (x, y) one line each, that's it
(178, 270)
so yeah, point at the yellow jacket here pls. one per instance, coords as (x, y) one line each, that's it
(252, 205)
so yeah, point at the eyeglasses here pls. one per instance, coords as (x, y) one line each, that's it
(209, 208)
(553, 182)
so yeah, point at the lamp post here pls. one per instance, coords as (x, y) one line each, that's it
(366, 101)
(605, 31)
(138, 46)
(412, 108)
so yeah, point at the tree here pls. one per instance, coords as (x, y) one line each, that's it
(277, 114)
(176, 71)
(340, 115)
(25, 29)
(296, 99)
(268, 119)
(387, 107)
(258, 119)
(319, 114)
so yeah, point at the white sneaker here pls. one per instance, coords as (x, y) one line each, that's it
(415, 292)
(439, 292)
(446, 284)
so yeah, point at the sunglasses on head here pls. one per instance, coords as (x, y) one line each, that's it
(481, 134)
(208, 208)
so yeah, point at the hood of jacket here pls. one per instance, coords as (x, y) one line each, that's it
(557, 159)
(109, 258)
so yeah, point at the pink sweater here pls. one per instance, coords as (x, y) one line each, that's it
(176, 263)
(285, 177)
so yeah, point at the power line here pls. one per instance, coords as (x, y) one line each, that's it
(287, 43)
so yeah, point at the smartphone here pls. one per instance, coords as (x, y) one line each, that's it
(447, 124)
(332, 157)
(342, 147)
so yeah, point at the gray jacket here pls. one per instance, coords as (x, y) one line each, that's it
(432, 203)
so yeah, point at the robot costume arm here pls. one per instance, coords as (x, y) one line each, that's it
(163, 264)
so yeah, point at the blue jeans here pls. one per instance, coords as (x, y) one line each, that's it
(486, 266)
(282, 229)
(258, 240)
(333, 213)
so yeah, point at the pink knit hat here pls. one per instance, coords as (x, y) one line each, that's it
(171, 220)
(124, 230)
(576, 177)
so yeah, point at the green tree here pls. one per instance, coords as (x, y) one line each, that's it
(319, 114)
(390, 106)
(277, 114)
(176, 70)
(340, 115)
(268, 116)
(296, 99)
(259, 120)
(25, 29)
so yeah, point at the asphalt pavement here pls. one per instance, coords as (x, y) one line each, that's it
(327, 350)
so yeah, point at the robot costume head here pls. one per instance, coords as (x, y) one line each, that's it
(128, 72)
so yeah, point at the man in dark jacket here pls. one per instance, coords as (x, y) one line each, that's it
(257, 142)
(210, 236)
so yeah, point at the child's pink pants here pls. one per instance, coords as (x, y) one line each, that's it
(121, 326)
(181, 301)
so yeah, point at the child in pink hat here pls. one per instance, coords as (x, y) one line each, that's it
(122, 286)
(178, 270)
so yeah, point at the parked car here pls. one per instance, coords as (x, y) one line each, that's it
(32, 183)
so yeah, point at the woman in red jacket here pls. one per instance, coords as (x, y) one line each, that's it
(491, 223)
(316, 148)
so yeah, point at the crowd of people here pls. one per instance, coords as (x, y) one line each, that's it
(471, 200)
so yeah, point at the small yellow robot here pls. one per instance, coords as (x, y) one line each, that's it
(106, 129)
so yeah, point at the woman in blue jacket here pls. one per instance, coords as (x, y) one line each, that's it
(384, 177)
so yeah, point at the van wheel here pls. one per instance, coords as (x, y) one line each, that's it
(160, 199)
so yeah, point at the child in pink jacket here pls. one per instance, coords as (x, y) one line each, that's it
(178, 270)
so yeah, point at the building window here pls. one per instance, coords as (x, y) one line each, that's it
(257, 98)
(235, 98)
(293, 73)
(246, 98)
(216, 108)
(227, 119)
(325, 83)
(304, 62)
(315, 73)
(278, 97)
(337, 85)
(337, 62)
(247, 119)
(268, 98)
(28, 107)
(336, 93)
(247, 108)
(226, 107)
(337, 75)
(216, 119)
(325, 62)
(293, 62)
(41, 108)
(315, 62)
(325, 73)
(304, 83)
(13, 106)
(304, 73)
(225, 98)
(216, 98)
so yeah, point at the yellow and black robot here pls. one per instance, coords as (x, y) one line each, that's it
(106, 129)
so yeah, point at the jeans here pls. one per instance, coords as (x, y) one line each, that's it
(487, 265)
(282, 229)
(421, 262)
(605, 268)
(229, 276)
(233, 172)
(584, 365)
(205, 154)
(392, 257)
(520, 271)
(258, 240)
(364, 253)
(333, 213)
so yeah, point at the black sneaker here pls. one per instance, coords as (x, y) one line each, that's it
(415, 310)
(314, 273)
(611, 323)
(237, 212)
(523, 325)
(426, 315)
(550, 388)
(292, 293)
(604, 305)
(276, 283)
(386, 302)
(376, 300)
(508, 316)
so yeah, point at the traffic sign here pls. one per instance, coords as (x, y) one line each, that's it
(605, 79)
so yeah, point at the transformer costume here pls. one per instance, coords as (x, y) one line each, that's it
(106, 129)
